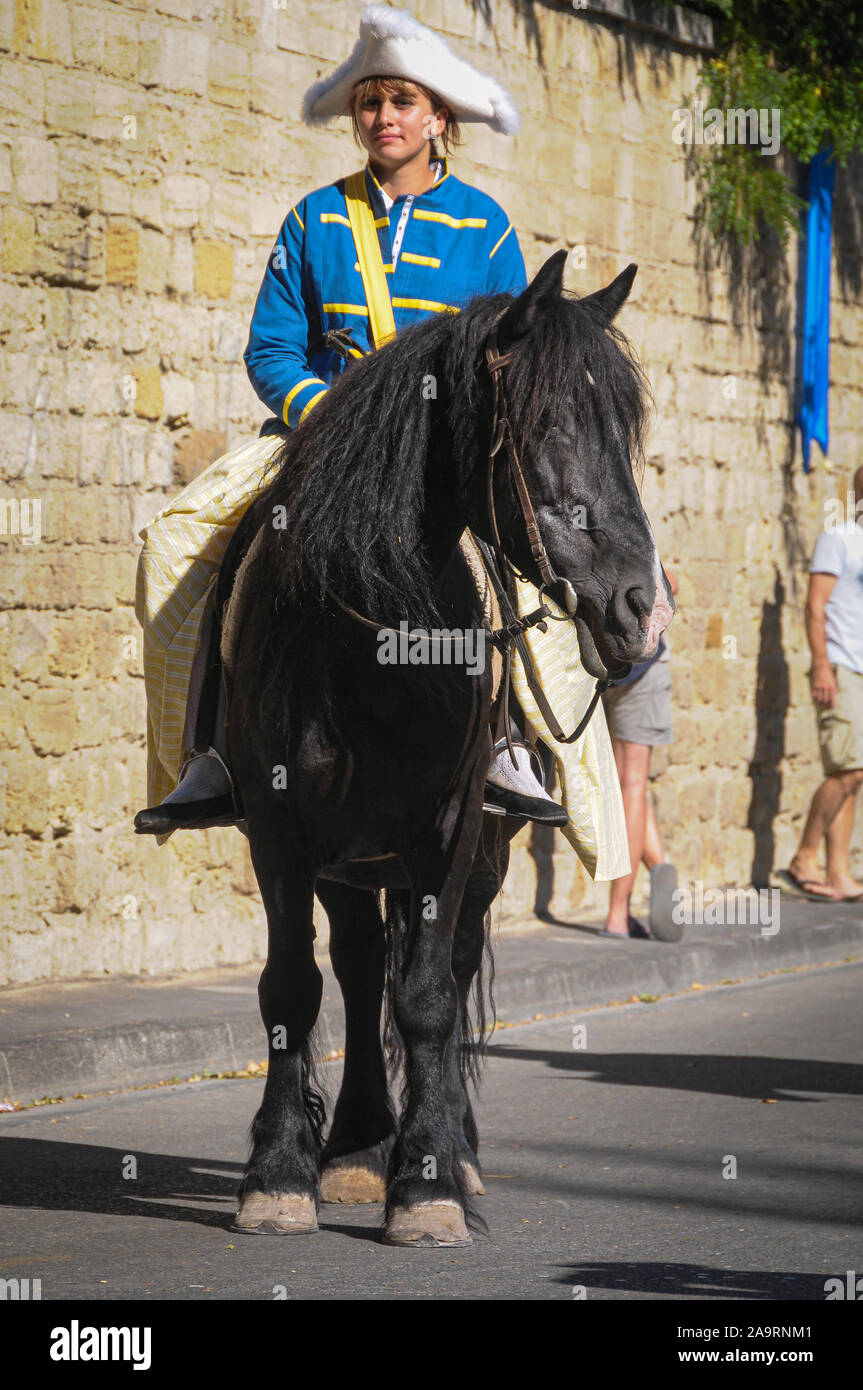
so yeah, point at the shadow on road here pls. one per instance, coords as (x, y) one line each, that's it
(751, 1078)
(678, 1280)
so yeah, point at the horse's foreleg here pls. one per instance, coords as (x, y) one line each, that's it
(462, 1056)
(426, 1188)
(280, 1188)
(359, 1142)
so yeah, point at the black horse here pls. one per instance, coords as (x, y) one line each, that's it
(358, 776)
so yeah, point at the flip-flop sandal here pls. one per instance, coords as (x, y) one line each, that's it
(637, 930)
(663, 886)
(802, 888)
(614, 935)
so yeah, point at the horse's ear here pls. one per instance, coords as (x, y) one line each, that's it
(609, 300)
(522, 314)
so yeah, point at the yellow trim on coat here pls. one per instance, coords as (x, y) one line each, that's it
(335, 217)
(430, 304)
(388, 268)
(299, 219)
(307, 407)
(295, 391)
(458, 222)
(420, 260)
(497, 243)
(346, 309)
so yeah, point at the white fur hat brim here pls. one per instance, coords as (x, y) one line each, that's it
(394, 44)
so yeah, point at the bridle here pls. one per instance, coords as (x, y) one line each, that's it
(501, 434)
(498, 563)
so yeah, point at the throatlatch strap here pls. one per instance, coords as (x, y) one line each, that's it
(362, 220)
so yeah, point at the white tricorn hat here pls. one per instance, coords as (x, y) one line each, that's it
(394, 44)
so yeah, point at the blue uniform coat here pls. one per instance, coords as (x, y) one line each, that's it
(457, 243)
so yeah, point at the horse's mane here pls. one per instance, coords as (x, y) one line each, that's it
(352, 481)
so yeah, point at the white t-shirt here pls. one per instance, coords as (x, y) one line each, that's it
(840, 552)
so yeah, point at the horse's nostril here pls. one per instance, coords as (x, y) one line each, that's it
(639, 602)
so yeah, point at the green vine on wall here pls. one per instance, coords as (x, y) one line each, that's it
(801, 58)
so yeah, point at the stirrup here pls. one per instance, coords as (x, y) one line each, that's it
(506, 801)
(203, 814)
(232, 792)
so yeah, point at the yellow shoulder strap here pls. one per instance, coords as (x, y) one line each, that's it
(362, 222)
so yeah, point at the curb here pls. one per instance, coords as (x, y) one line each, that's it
(534, 975)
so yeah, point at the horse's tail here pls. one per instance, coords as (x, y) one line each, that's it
(395, 907)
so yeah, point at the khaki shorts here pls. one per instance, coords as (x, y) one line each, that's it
(641, 711)
(840, 728)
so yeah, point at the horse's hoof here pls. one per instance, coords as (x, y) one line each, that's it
(427, 1224)
(282, 1214)
(472, 1180)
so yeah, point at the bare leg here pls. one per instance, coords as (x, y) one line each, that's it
(827, 803)
(633, 761)
(839, 833)
(654, 850)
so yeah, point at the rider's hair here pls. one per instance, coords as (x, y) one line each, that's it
(399, 86)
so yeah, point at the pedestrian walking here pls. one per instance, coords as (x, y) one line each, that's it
(638, 711)
(834, 627)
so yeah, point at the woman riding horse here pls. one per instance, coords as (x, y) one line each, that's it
(443, 242)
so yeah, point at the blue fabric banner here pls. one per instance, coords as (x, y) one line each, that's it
(815, 347)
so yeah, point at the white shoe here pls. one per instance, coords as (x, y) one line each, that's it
(517, 791)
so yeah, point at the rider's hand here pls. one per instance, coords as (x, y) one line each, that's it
(824, 685)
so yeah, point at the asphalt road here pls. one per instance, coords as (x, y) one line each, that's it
(604, 1170)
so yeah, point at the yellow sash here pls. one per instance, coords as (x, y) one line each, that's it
(362, 222)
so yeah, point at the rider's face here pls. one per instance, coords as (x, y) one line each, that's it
(396, 128)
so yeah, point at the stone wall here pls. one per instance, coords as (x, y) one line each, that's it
(148, 154)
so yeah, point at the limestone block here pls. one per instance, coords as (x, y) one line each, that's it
(149, 401)
(5, 171)
(181, 269)
(121, 47)
(174, 58)
(35, 166)
(19, 248)
(228, 75)
(146, 199)
(195, 451)
(23, 93)
(115, 187)
(160, 460)
(49, 718)
(274, 84)
(184, 196)
(121, 254)
(70, 250)
(239, 151)
(42, 30)
(87, 27)
(214, 272)
(231, 209)
(155, 255)
(134, 312)
(25, 794)
(179, 392)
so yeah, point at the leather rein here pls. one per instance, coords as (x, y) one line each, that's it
(498, 564)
